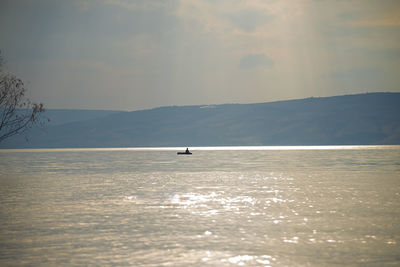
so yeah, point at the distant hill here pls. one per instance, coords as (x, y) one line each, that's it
(372, 118)
(62, 116)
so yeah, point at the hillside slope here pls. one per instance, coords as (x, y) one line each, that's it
(341, 120)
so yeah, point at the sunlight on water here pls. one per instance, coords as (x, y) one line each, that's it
(298, 206)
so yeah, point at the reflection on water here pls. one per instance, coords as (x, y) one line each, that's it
(267, 207)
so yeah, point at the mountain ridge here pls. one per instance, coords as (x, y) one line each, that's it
(372, 118)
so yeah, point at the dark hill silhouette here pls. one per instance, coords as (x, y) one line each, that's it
(62, 116)
(372, 118)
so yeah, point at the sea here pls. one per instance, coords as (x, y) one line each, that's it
(220, 206)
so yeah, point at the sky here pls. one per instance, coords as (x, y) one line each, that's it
(132, 55)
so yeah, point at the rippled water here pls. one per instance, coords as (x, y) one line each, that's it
(293, 206)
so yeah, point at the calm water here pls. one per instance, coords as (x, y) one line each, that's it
(269, 207)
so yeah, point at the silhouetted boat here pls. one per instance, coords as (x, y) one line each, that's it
(187, 152)
(184, 153)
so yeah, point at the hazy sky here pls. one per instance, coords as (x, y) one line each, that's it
(119, 54)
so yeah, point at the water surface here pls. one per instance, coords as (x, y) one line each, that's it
(251, 206)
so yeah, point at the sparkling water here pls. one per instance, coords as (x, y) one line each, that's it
(230, 206)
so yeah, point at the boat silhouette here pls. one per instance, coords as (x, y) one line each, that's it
(187, 152)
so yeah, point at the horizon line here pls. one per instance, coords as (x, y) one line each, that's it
(206, 148)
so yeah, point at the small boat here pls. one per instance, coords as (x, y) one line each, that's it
(187, 152)
(184, 153)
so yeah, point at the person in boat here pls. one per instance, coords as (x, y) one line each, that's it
(187, 150)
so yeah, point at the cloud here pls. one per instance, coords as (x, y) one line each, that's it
(253, 61)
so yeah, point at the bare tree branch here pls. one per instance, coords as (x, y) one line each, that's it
(17, 113)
